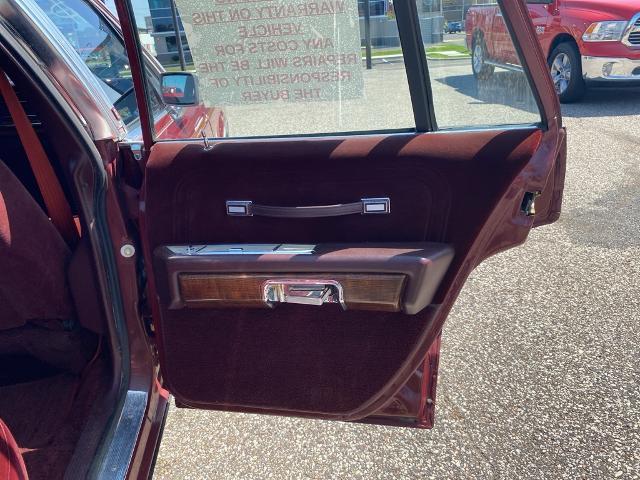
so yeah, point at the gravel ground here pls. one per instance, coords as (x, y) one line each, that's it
(540, 363)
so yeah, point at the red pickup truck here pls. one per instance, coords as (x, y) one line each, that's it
(585, 41)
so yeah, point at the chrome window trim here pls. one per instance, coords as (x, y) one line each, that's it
(115, 464)
(362, 134)
(72, 59)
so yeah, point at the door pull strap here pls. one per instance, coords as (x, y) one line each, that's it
(246, 208)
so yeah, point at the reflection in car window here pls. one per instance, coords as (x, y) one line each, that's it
(102, 51)
(476, 73)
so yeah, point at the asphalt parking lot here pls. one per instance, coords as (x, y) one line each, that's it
(540, 365)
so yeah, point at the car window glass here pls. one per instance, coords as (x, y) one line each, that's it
(476, 74)
(102, 50)
(289, 67)
(96, 44)
(294, 67)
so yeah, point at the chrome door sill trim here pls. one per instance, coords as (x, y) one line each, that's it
(120, 451)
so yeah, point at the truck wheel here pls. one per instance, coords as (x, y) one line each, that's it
(478, 60)
(566, 72)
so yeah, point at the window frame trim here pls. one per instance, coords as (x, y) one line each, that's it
(133, 46)
(416, 67)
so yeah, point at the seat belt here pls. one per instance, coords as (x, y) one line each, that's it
(52, 193)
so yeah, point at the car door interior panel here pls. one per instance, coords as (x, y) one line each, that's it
(296, 300)
(390, 277)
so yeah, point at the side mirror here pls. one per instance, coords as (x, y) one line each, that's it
(179, 88)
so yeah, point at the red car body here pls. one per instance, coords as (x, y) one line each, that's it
(565, 22)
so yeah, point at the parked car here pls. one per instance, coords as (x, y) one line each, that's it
(453, 27)
(585, 43)
(303, 275)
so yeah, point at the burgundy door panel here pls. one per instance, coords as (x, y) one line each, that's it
(414, 404)
(444, 188)
(430, 178)
(422, 265)
(549, 203)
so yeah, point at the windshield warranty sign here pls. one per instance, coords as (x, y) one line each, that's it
(259, 51)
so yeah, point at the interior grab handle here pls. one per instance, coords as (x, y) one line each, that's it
(246, 208)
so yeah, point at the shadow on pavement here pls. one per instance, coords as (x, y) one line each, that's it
(605, 102)
(504, 88)
(511, 89)
(610, 220)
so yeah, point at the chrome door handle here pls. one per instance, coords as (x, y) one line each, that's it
(303, 292)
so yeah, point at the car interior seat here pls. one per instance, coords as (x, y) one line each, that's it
(34, 258)
(12, 465)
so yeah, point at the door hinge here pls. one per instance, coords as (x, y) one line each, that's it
(131, 168)
(528, 205)
(136, 150)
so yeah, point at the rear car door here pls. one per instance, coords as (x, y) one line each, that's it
(305, 265)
